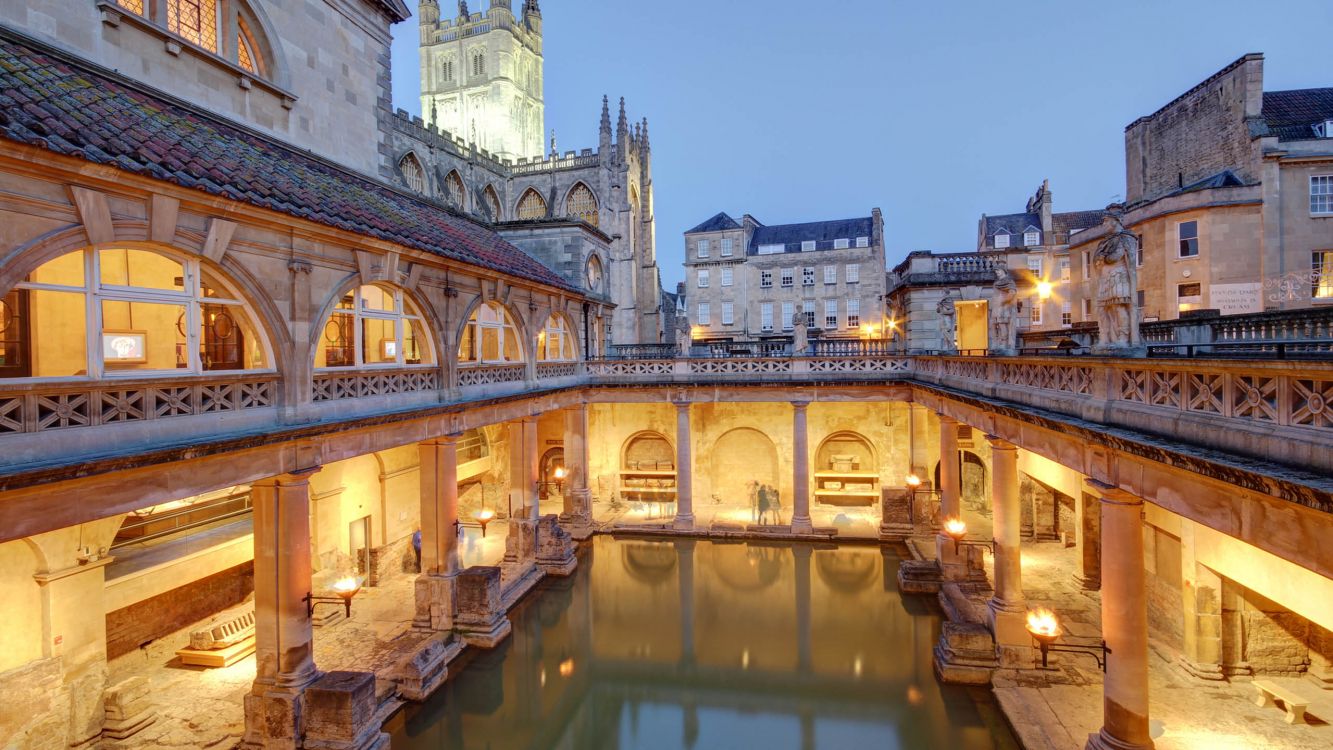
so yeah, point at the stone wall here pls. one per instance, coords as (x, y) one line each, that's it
(1262, 637)
(1166, 613)
(36, 706)
(132, 626)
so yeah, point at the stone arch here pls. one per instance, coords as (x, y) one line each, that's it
(739, 457)
(412, 171)
(570, 331)
(254, 24)
(522, 328)
(21, 639)
(646, 445)
(490, 204)
(531, 205)
(581, 203)
(454, 192)
(433, 332)
(846, 443)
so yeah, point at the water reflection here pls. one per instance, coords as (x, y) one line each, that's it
(693, 644)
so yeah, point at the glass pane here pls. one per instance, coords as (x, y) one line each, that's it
(143, 336)
(141, 268)
(379, 342)
(61, 350)
(67, 270)
(336, 347)
(348, 302)
(375, 298)
(511, 345)
(416, 347)
(467, 348)
(212, 286)
(228, 340)
(490, 344)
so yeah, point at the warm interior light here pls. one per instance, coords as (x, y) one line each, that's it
(559, 473)
(485, 514)
(347, 587)
(913, 481)
(1043, 625)
(1044, 289)
(956, 528)
(567, 667)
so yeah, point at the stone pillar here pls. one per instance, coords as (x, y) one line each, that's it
(1008, 611)
(685, 586)
(800, 459)
(684, 469)
(1201, 595)
(439, 533)
(802, 554)
(578, 497)
(284, 640)
(1088, 517)
(532, 466)
(523, 468)
(1124, 624)
(951, 504)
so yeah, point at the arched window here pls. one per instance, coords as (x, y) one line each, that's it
(490, 337)
(453, 189)
(247, 51)
(581, 204)
(491, 202)
(204, 24)
(126, 311)
(413, 174)
(374, 326)
(532, 205)
(447, 70)
(593, 272)
(555, 342)
(478, 63)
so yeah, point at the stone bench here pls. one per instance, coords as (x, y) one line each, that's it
(221, 643)
(1269, 692)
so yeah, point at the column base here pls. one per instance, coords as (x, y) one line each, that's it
(1201, 671)
(802, 525)
(434, 603)
(953, 564)
(480, 618)
(965, 654)
(895, 532)
(1008, 623)
(423, 671)
(683, 522)
(555, 548)
(341, 713)
(521, 544)
(1088, 583)
(1103, 741)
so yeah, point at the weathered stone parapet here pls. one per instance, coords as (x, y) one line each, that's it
(128, 709)
(555, 547)
(341, 713)
(895, 514)
(423, 671)
(479, 615)
(434, 602)
(521, 544)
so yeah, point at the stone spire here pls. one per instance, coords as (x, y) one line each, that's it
(622, 132)
(644, 145)
(530, 8)
(604, 133)
(462, 10)
(429, 12)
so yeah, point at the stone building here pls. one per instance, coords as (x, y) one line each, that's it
(1228, 188)
(748, 280)
(478, 148)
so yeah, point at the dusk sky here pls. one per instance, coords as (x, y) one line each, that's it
(934, 112)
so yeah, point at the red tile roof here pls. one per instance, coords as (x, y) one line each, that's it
(47, 100)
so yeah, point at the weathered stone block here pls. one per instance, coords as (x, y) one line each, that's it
(479, 612)
(555, 547)
(423, 671)
(895, 513)
(434, 603)
(128, 709)
(340, 713)
(521, 544)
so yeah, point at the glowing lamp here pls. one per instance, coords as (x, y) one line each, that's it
(484, 516)
(559, 473)
(913, 481)
(345, 588)
(567, 667)
(1044, 289)
(1043, 625)
(955, 528)
(1044, 628)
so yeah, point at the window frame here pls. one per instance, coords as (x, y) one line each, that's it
(701, 278)
(728, 313)
(830, 274)
(1031, 237)
(701, 248)
(807, 276)
(808, 246)
(727, 248)
(1181, 240)
(704, 313)
(1321, 275)
(852, 273)
(853, 312)
(562, 333)
(728, 276)
(995, 240)
(765, 316)
(401, 318)
(766, 278)
(506, 325)
(1326, 193)
(831, 314)
(788, 278)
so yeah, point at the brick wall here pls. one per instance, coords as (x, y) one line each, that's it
(154, 618)
(1272, 639)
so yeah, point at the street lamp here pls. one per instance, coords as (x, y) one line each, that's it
(955, 528)
(1044, 289)
(484, 516)
(344, 588)
(1044, 628)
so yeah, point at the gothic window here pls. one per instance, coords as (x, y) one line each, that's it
(478, 63)
(194, 20)
(491, 202)
(453, 189)
(490, 337)
(593, 273)
(532, 205)
(204, 24)
(555, 343)
(115, 312)
(413, 174)
(447, 70)
(374, 326)
(581, 204)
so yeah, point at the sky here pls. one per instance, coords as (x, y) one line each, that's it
(935, 112)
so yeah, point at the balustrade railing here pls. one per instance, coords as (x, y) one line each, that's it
(491, 374)
(546, 370)
(852, 348)
(970, 263)
(335, 386)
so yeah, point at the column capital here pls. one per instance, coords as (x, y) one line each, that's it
(681, 405)
(1111, 494)
(800, 404)
(1000, 444)
(291, 478)
(945, 418)
(442, 439)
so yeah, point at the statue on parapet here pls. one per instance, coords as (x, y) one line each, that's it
(800, 335)
(1116, 303)
(1004, 337)
(947, 314)
(682, 337)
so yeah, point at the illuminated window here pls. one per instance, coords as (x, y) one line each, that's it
(555, 343)
(196, 21)
(1321, 276)
(374, 326)
(453, 189)
(490, 337)
(1189, 296)
(413, 174)
(491, 202)
(532, 205)
(133, 6)
(853, 312)
(126, 311)
(1321, 194)
(581, 204)
(247, 51)
(1188, 234)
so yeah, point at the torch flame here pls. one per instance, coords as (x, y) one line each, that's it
(567, 667)
(485, 514)
(559, 472)
(347, 587)
(955, 527)
(1042, 623)
(913, 481)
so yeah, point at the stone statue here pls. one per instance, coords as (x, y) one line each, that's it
(948, 321)
(1004, 337)
(1115, 300)
(800, 336)
(683, 337)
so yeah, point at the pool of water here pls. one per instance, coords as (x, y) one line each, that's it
(694, 644)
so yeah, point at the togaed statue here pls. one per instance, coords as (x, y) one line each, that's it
(947, 314)
(1004, 337)
(800, 336)
(682, 337)
(1116, 299)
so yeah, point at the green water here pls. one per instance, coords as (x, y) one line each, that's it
(693, 644)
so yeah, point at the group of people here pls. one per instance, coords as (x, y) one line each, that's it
(764, 502)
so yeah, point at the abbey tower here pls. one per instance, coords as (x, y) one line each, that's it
(481, 76)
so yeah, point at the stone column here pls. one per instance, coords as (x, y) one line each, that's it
(532, 466)
(284, 640)
(684, 469)
(802, 554)
(1008, 611)
(800, 459)
(1088, 517)
(578, 497)
(1124, 623)
(439, 533)
(1201, 595)
(951, 505)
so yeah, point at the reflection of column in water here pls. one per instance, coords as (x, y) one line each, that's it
(690, 720)
(807, 730)
(802, 554)
(685, 586)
